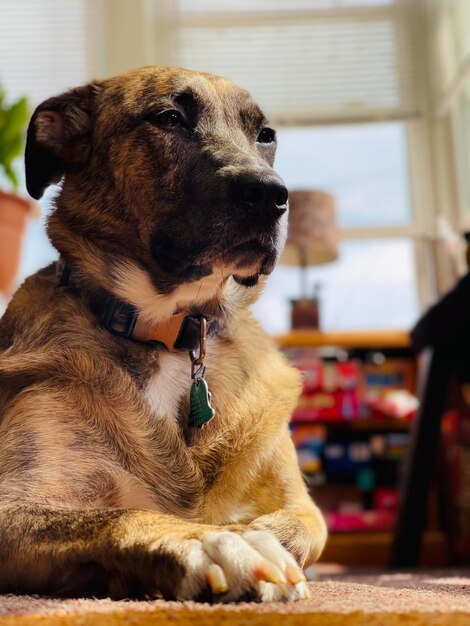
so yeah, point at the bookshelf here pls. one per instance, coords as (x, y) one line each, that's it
(360, 545)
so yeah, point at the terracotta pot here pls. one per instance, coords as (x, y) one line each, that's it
(14, 212)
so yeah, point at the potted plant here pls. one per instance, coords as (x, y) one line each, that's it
(14, 210)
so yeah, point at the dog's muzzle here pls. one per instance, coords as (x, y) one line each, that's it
(249, 233)
(262, 202)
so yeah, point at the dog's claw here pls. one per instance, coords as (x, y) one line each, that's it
(294, 575)
(215, 577)
(303, 590)
(269, 572)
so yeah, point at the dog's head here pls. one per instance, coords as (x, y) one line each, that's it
(167, 183)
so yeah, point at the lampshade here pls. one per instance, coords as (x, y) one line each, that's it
(312, 236)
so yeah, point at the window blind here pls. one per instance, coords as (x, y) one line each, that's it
(47, 46)
(449, 27)
(305, 61)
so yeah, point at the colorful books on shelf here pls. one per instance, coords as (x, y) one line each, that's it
(362, 521)
(338, 388)
(350, 433)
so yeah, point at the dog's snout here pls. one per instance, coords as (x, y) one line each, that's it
(260, 192)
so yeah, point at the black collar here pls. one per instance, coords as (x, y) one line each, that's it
(182, 332)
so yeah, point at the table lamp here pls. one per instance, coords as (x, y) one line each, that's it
(312, 240)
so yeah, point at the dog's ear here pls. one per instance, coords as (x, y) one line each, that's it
(59, 134)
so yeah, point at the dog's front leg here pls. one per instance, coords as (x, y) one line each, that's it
(294, 519)
(302, 532)
(130, 553)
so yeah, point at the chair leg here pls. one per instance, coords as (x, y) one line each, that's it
(420, 460)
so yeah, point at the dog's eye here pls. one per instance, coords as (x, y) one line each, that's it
(169, 118)
(267, 135)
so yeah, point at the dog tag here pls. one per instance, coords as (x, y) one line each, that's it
(200, 410)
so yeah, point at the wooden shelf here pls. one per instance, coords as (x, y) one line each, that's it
(379, 425)
(361, 339)
(373, 549)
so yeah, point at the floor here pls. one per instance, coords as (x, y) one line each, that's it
(338, 599)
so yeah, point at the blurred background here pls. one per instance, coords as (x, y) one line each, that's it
(371, 99)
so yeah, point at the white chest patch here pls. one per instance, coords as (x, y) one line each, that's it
(166, 388)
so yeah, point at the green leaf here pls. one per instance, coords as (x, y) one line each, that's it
(11, 175)
(13, 120)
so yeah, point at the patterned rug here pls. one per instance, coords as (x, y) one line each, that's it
(354, 599)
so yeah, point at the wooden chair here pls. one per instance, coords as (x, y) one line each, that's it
(443, 335)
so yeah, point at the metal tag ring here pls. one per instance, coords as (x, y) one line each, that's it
(199, 360)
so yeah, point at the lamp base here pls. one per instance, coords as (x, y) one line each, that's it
(305, 314)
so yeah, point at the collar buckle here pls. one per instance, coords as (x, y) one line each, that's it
(120, 318)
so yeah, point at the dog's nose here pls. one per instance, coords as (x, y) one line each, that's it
(259, 193)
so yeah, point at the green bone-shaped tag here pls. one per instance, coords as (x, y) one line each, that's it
(200, 410)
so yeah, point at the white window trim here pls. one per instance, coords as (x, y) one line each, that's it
(449, 171)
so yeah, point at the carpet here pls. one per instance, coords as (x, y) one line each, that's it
(440, 598)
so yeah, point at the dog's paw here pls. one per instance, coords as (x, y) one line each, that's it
(227, 566)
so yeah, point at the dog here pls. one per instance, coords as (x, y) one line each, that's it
(144, 441)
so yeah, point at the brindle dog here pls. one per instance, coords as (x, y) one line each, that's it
(168, 202)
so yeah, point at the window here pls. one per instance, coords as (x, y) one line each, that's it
(305, 61)
(449, 28)
(37, 249)
(341, 81)
(47, 47)
(462, 140)
(365, 166)
(373, 284)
